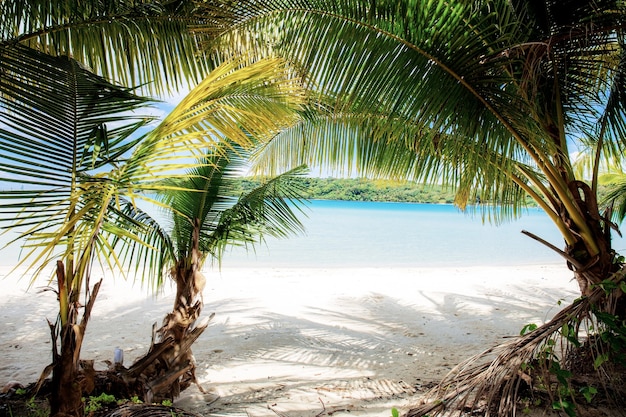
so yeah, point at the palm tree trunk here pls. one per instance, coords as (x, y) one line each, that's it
(68, 381)
(169, 366)
(66, 391)
(592, 269)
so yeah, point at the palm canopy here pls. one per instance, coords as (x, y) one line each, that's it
(143, 43)
(53, 143)
(487, 96)
(69, 148)
(205, 199)
(203, 203)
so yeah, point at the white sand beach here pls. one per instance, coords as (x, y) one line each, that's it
(304, 342)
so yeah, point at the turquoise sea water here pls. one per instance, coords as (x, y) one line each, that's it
(373, 234)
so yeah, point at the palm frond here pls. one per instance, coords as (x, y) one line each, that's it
(390, 62)
(145, 43)
(615, 198)
(380, 147)
(478, 73)
(271, 209)
(201, 195)
(140, 242)
(59, 118)
(54, 133)
(496, 381)
(235, 102)
(205, 197)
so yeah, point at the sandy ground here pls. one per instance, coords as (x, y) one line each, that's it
(304, 342)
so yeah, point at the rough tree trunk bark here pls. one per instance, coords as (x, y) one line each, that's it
(69, 382)
(169, 366)
(591, 270)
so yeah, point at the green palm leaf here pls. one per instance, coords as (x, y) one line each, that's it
(205, 195)
(271, 209)
(367, 68)
(502, 82)
(141, 243)
(136, 43)
(53, 135)
(69, 197)
(236, 101)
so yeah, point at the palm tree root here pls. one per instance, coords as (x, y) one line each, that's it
(164, 371)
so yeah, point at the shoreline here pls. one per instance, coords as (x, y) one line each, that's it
(300, 340)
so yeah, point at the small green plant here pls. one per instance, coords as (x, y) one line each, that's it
(570, 332)
(529, 404)
(528, 328)
(35, 409)
(167, 403)
(567, 407)
(395, 412)
(97, 403)
(134, 400)
(588, 393)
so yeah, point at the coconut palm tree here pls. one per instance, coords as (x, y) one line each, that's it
(69, 149)
(206, 218)
(62, 149)
(490, 97)
(50, 143)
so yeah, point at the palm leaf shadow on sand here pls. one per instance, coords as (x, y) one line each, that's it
(501, 380)
(347, 357)
(364, 354)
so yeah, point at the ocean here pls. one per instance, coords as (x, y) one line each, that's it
(376, 234)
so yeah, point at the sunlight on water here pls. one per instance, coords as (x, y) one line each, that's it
(369, 234)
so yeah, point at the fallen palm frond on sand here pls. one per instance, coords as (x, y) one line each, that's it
(148, 410)
(577, 357)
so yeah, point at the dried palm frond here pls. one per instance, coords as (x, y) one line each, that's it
(148, 410)
(494, 382)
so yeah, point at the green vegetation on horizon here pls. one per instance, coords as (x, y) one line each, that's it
(361, 189)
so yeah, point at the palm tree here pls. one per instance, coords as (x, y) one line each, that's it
(206, 218)
(71, 159)
(50, 143)
(489, 97)
(76, 164)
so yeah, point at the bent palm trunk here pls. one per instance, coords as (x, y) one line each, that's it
(592, 270)
(592, 327)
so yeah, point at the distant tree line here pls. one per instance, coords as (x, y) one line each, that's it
(362, 189)
(359, 189)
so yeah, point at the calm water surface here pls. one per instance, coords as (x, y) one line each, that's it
(373, 234)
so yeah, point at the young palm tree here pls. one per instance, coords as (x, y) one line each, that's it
(51, 141)
(50, 144)
(206, 217)
(75, 165)
(489, 97)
